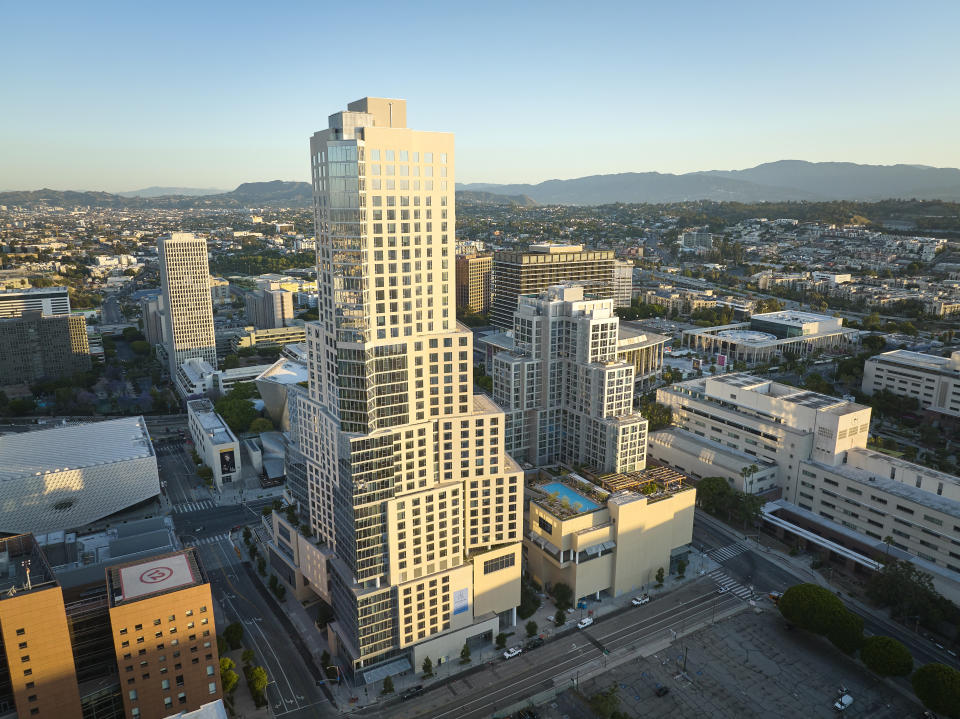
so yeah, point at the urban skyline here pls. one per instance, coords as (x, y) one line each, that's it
(695, 88)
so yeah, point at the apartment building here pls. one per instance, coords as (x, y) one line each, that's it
(517, 273)
(679, 301)
(407, 477)
(34, 346)
(933, 381)
(813, 449)
(474, 273)
(622, 283)
(269, 309)
(568, 396)
(185, 284)
(214, 441)
(596, 541)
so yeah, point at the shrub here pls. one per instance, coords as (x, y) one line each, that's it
(560, 618)
(531, 629)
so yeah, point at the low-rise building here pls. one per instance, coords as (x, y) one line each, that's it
(598, 542)
(253, 337)
(70, 476)
(769, 336)
(214, 441)
(933, 381)
(197, 378)
(219, 291)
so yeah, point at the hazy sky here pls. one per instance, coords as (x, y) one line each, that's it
(122, 95)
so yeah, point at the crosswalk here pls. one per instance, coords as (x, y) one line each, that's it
(214, 539)
(729, 552)
(184, 507)
(724, 581)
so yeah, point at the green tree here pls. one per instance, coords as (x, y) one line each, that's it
(228, 677)
(845, 631)
(260, 424)
(237, 413)
(660, 577)
(563, 595)
(501, 640)
(810, 607)
(886, 656)
(938, 687)
(531, 628)
(605, 703)
(234, 635)
(427, 667)
(247, 656)
(681, 567)
(21, 406)
(387, 685)
(205, 473)
(465, 654)
(658, 416)
(560, 618)
(140, 347)
(247, 534)
(715, 495)
(230, 362)
(257, 681)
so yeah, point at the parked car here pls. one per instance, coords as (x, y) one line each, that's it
(513, 652)
(585, 622)
(411, 692)
(661, 691)
(534, 643)
(642, 599)
(843, 702)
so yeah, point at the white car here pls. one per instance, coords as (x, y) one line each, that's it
(513, 652)
(642, 599)
(843, 702)
(585, 622)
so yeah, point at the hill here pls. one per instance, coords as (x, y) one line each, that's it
(277, 193)
(786, 180)
(491, 198)
(166, 191)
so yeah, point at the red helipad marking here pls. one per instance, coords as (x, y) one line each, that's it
(156, 574)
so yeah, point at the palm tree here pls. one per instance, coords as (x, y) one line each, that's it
(888, 540)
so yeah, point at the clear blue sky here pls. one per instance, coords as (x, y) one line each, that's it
(123, 95)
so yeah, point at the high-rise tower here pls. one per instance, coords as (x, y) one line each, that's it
(407, 477)
(185, 281)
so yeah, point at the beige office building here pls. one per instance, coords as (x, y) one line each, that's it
(517, 273)
(269, 309)
(185, 281)
(474, 273)
(407, 477)
(933, 381)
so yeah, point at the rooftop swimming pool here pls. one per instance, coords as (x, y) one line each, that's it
(575, 498)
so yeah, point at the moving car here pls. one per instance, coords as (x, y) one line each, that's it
(411, 692)
(585, 622)
(513, 652)
(642, 599)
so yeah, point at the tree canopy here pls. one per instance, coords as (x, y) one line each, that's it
(886, 656)
(938, 687)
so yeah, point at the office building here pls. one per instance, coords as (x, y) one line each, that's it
(568, 396)
(407, 478)
(596, 540)
(474, 273)
(517, 273)
(269, 309)
(67, 477)
(622, 283)
(219, 291)
(48, 301)
(252, 337)
(214, 441)
(154, 321)
(644, 350)
(770, 336)
(196, 378)
(164, 635)
(37, 676)
(185, 282)
(933, 381)
(107, 639)
(35, 346)
(813, 449)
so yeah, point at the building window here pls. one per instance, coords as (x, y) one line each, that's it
(133, 695)
(212, 687)
(494, 565)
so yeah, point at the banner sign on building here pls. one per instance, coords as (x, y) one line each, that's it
(228, 464)
(461, 601)
(722, 360)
